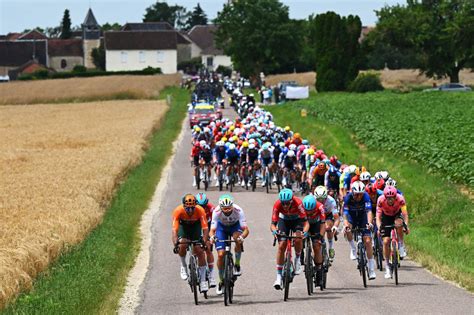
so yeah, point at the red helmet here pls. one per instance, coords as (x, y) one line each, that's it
(379, 184)
(319, 153)
(371, 189)
(390, 191)
(333, 159)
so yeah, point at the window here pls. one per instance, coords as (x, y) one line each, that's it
(124, 56)
(141, 56)
(63, 63)
(210, 61)
(160, 56)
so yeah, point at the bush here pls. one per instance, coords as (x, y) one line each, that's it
(79, 68)
(191, 66)
(41, 74)
(366, 82)
(45, 74)
(225, 71)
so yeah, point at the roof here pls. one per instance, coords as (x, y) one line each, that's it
(33, 34)
(203, 36)
(147, 26)
(12, 36)
(140, 40)
(17, 53)
(90, 19)
(65, 47)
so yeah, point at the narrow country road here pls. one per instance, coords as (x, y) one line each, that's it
(163, 291)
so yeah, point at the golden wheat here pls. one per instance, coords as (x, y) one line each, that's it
(45, 91)
(59, 166)
(390, 78)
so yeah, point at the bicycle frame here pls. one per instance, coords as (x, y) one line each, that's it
(229, 278)
(194, 278)
(361, 254)
(288, 268)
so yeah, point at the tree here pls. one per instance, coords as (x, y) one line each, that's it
(441, 32)
(259, 36)
(39, 29)
(53, 32)
(111, 27)
(175, 15)
(66, 26)
(196, 17)
(336, 50)
(98, 57)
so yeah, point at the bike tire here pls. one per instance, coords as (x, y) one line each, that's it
(286, 280)
(194, 280)
(325, 267)
(309, 270)
(228, 273)
(206, 185)
(198, 182)
(362, 265)
(395, 263)
(379, 254)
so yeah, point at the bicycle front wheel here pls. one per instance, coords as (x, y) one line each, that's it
(309, 269)
(228, 274)
(395, 262)
(287, 277)
(194, 278)
(362, 264)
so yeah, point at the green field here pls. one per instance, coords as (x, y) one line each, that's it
(441, 217)
(95, 271)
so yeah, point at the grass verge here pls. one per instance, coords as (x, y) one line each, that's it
(90, 277)
(441, 218)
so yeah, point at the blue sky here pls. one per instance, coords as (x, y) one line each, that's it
(17, 15)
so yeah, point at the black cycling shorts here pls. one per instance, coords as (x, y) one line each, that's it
(388, 220)
(285, 226)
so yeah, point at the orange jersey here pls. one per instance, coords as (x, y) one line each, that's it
(181, 217)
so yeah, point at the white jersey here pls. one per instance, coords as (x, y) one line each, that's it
(330, 205)
(237, 215)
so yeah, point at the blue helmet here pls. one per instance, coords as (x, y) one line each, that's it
(201, 199)
(305, 142)
(309, 203)
(285, 195)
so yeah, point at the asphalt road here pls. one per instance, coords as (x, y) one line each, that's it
(163, 291)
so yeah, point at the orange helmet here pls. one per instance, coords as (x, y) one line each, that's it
(297, 136)
(189, 200)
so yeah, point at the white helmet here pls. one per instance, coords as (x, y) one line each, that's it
(220, 143)
(321, 193)
(384, 175)
(358, 187)
(377, 175)
(231, 146)
(292, 147)
(206, 129)
(365, 176)
(291, 153)
(202, 143)
(252, 141)
(251, 145)
(391, 182)
(352, 169)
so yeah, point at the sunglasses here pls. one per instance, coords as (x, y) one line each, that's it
(189, 209)
(286, 203)
(226, 208)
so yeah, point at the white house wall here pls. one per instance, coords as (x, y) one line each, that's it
(167, 60)
(218, 60)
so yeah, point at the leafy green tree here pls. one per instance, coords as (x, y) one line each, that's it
(259, 36)
(175, 15)
(98, 57)
(111, 27)
(66, 26)
(336, 49)
(196, 17)
(440, 31)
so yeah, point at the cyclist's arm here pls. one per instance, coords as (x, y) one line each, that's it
(204, 226)
(275, 213)
(174, 233)
(405, 214)
(368, 208)
(378, 218)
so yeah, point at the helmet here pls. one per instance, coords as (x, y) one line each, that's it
(390, 191)
(224, 139)
(231, 139)
(311, 151)
(201, 199)
(391, 182)
(232, 128)
(220, 143)
(231, 146)
(332, 171)
(384, 175)
(251, 95)
(266, 146)
(202, 143)
(226, 201)
(245, 144)
(285, 195)
(309, 203)
(189, 200)
(252, 141)
(358, 187)
(206, 147)
(370, 188)
(197, 129)
(291, 153)
(305, 142)
(287, 128)
(321, 193)
(297, 135)
(206, 130)
(235, 138)
(301, 148)
(365, 176)
(321, 165)
(379, 183)
(333, 159)
(292, 147)
(251, 146)
(352, 169)
(281, 144)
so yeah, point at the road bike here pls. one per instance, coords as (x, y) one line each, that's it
(268, 179)
(394, 260)
(194, 279)
(229, 277)
(325, 267)
(204, 176)
(308, 265)
(288, 272)
(378, 250)
(220, 176)
(362, 265)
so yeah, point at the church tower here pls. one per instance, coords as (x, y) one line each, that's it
(90, 37)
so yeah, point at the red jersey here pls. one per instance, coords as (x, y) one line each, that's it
(318, 214)
(209, 208)
(195, 151)
(294, 212)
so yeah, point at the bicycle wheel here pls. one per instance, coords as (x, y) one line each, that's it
(231, 181)
(287, 277)
(379, 253)
(395, 261)
(194, 280)
(308, 268)
(325, 267)
(362, 264)
(206, 180)
(198, 181)
(228, 274)
(267, 182)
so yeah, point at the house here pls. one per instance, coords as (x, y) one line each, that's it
(65, 54)
(204, 37)
(14, 54)
(136, 50)
(29, 67)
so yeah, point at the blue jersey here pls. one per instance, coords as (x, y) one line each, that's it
(351, 205)
(347, 181)
(219, 153)
(232, 154)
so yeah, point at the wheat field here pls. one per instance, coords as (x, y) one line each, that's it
(59, 167)
(390, 78)
(85, 89)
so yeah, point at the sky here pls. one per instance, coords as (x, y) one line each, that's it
(17, 15)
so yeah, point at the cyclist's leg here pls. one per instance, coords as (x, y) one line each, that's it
(220, 248)
(314, 232)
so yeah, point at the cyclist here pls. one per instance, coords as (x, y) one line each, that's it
(391, 209)
(332, 183)
(318, 175)
(265, 155)
(190, 224)
(202, 200)
(288, 215)
(219, 158)
(332, 216)
(316, 217)
(228, 219)
(252, 158)
(350, 172)
(358, 212)
(194, 158)
(288, 163)
(205, 160)
(232, 156)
